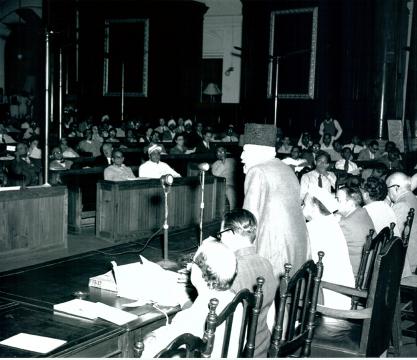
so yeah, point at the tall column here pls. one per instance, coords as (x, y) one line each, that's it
(4, 33)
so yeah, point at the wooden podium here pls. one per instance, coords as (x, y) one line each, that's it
(129, 210)
(33, 220)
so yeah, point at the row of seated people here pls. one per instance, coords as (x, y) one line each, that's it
(228, 263)
(391, 157)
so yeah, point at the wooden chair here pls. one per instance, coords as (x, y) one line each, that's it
(294, 328)
(364, 332)
(184, 346)
(370, 250)
(408, 290)
(187, 345)
(252, 304)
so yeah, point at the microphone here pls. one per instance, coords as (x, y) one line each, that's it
(167, 180)
(204, 166)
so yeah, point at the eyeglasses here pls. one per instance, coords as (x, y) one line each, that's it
(219, 234)
(389, 187)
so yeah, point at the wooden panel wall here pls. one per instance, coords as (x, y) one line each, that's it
(128, 210)
(32, 220)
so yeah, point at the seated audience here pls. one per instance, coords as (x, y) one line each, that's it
(178, 148)
(346, 162)
(369, 153)
(305, 141)
(162, 127)
(374, 193)
(319, 176)
(190, 137)
(118, 171)
(311, 154)
(180, 128)
(169, 134)
(403, 199)
(112, 136)
(226, 167)
(4, 137)
(88, 145)
(22, 165)
(205, 145)
(33, 151)
(326, 143)
(336, 152)
(58, 162)
(230, 136)
(105, 158)
(354, 222)
(238, 233)
(355, 145)
(130, 136)
(154, 168)
(212, 273)
(286, 146)
(392, 160)
(33, 130)
(294, 160)
(148, 136)
(67, 152)
(96, 136)
(326, 235)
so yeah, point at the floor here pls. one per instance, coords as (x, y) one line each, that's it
(181, 245)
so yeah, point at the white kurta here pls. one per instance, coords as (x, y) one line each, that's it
(154, 170)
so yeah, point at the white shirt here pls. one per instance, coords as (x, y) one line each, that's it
(154, 170)
(326, 235)
(118, 173)
(311, 179)
(381, 215)
(340, 165)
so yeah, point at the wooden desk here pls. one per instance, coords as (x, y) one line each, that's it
(33, 220)
(128, 210)
(27, 297)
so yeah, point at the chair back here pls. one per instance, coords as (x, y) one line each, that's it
(370, 250)
(407, 227)
(252, 303)
(382, 298)
(183, 346)
(294, 328)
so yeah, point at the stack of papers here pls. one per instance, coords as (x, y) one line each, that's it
(147, 282)
(90, 310)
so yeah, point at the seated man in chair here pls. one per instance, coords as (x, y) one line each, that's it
(212, 273)
(238, 232)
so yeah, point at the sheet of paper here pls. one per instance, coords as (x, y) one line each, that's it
(78, 307)
(114, 315)
(35, 343)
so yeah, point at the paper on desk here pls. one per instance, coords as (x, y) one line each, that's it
(78, 307)
(35, 343)
(114, 315)
(148, 282)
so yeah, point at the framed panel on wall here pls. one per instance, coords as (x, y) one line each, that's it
(292, 53)
(126, 43)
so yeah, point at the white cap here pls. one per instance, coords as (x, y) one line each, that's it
(153, 148)
(188, 122)
(171, 121)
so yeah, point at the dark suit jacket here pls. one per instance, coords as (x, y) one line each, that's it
(201, 148)
(101, 161)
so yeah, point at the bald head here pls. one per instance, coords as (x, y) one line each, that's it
(398, 183)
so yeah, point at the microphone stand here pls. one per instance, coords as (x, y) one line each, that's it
(202, 179)
(166, 263)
